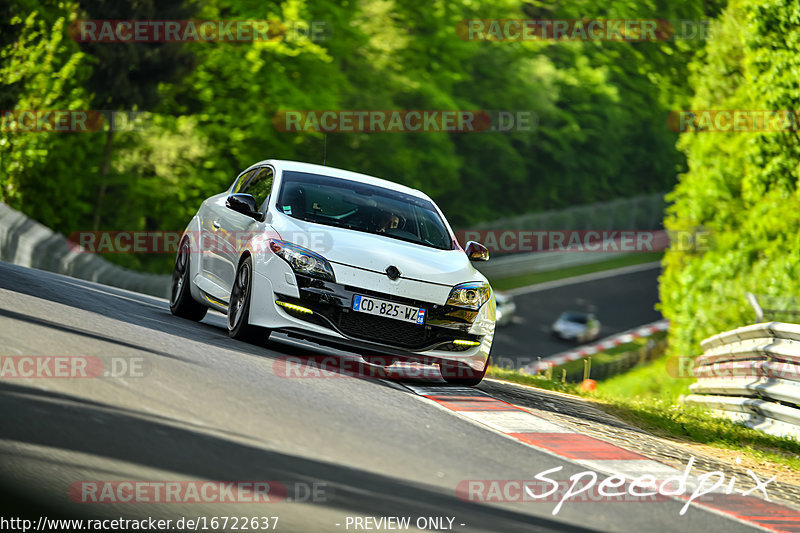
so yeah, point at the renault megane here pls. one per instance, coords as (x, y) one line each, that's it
(341, 259)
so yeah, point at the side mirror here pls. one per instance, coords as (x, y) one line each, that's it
(476, 251)
(244, 204)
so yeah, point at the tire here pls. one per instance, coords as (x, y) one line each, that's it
(239, 307)
(461, 374)
(181, 302)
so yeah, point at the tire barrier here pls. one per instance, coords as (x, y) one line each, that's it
(752, 375)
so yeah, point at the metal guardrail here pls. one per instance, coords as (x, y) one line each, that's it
(774, 307)
(591, 349)
(23, 241)
(529, 263)
(643, 212)
(752, 375)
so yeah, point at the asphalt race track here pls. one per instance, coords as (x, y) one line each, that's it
(620, 302)
(201, 406)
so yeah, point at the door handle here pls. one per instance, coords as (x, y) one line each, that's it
(216, 224)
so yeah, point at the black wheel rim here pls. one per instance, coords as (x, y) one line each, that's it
(239, 296)
(179, 274)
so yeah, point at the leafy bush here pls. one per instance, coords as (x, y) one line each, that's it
(742, 187)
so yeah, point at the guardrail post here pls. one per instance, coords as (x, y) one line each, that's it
(757, 308)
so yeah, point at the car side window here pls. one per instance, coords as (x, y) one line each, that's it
(260, 185)
(242, 181)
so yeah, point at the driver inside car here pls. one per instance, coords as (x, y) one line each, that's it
(388, 221)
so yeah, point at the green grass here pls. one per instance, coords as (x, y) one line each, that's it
(650, 380)
(526, 379)
(504, 284)
(648, 397)
(607, 356)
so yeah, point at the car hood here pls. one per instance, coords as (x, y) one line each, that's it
(376, 253)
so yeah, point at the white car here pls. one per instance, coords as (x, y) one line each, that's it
(576, 326)
(342, 259)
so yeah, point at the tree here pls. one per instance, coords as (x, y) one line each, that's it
(126, 75)
(742, 186)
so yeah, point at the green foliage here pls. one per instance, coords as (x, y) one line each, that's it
(600, 108)
(741, 186)
(43, 70)
(514, 376)
(648, 397)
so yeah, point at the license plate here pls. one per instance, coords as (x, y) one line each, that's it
(374, 306)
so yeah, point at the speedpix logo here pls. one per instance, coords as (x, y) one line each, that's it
(588, 487)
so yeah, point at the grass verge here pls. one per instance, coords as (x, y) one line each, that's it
(609, 355)
(527, 379)
(523, 280)
(648, 397)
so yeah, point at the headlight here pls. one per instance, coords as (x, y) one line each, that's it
(302, 261)
(471, 295)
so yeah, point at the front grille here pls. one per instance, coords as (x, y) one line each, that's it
(384, 330)
(450, 347)
(331, 305)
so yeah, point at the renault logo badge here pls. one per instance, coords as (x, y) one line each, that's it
(392, 272)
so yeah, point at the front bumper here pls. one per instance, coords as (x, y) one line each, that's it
(333, 323)
(331, 305)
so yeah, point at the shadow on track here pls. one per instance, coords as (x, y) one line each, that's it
(201, 454)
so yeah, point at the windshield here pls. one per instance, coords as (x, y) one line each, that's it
(362, 207)
(578, 318)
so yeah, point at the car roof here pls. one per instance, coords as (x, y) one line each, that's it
(340, 173)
